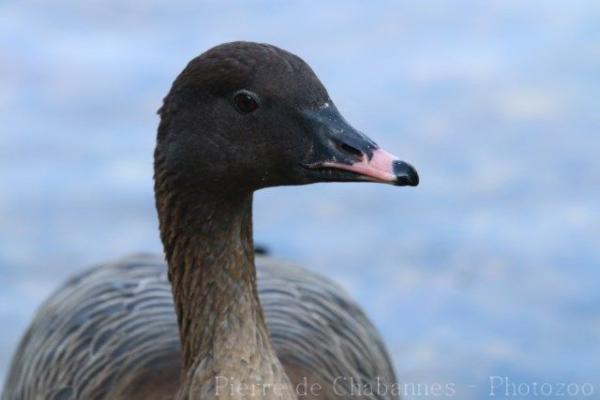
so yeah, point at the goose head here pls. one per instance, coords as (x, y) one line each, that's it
(245, 116)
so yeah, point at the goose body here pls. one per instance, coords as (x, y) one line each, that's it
(111, 333)
(211, 321)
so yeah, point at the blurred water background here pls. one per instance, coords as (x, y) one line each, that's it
(489, 267)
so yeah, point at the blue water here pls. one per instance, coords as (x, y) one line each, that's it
(489, 268)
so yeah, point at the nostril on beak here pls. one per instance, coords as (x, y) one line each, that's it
(406, 174)
(350, 150)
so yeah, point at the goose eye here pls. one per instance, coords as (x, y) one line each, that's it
(245, 102)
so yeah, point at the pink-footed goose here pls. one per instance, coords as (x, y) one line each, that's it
(214, 322)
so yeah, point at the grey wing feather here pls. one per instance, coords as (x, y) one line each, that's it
(111, 333)
(316, 327)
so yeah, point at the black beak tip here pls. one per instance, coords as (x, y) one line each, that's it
(406, 174)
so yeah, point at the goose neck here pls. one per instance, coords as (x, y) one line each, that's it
(210, 253)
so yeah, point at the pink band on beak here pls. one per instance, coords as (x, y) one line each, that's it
(380, 168)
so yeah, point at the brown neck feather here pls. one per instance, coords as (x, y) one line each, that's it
(207, 238)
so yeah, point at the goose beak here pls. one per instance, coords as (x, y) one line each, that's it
(381, 167)
(344, 154)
